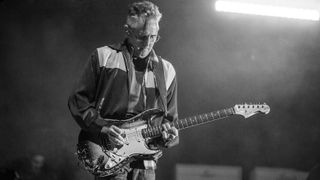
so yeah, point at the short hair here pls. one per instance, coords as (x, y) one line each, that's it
(139, 12)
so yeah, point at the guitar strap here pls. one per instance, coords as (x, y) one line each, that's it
(161, 84)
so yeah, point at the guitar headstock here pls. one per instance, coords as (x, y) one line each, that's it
(247, 110)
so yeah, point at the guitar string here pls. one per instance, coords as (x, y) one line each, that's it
(136, 134)
(209, 116)
(196, 118)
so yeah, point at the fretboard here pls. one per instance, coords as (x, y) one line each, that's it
(180, 124)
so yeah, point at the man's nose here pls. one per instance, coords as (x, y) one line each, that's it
(147, 41)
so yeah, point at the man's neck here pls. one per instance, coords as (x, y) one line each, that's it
(140, 64)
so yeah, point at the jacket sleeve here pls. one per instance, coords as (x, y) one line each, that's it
(172, 108)
(82, 101)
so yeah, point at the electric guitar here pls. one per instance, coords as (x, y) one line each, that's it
(102, 159)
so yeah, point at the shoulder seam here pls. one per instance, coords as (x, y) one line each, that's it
(169, 73)
(104, 54)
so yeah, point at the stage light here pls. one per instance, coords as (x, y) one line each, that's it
(266, 10)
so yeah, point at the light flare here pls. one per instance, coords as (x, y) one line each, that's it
(267, 10)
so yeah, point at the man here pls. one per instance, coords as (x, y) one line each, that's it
(121, 81)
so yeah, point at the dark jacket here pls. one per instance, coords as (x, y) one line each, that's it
(103, 89)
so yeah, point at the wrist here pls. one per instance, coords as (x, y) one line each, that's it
(105, 129)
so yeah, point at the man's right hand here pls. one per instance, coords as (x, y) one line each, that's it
(115, 135)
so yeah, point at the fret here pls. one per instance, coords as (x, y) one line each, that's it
(225, 112)
(156, 130)
(206, 117)
(159, 129)
(186, 122)
(218, 114)
(200, 119)
(230, 111)
(196, 120)
(177, 124)
(221, 113)
(181, 123)
(150, 132)
(212, 115)
(215, 115)
(145, 133)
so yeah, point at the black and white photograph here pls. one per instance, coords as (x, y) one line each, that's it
(160, 90)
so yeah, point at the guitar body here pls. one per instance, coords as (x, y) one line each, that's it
(102, 159)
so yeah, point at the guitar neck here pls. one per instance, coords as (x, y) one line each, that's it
(180, 124)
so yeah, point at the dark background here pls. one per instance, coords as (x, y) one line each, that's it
(221, 60)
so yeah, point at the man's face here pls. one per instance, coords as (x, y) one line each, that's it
(37, 162)
(144, 37)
